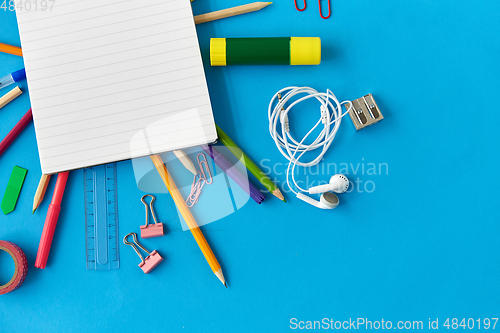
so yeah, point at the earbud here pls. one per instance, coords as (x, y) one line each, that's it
(328, 200)
(338, 184)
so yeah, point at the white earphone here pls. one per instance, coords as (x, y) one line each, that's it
(330, 116)
(328, 200)
(338, 184)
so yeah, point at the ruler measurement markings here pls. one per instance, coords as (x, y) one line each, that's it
(102, 217)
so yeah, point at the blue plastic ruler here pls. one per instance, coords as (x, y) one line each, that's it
(101, 217)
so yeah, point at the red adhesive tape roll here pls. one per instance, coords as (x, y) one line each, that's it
(21, 266)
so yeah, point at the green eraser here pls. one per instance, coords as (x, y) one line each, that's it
(14, 186)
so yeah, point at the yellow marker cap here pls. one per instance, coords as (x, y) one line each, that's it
(305, 51)
(218, 52)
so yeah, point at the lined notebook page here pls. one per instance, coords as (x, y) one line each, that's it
(113, 80)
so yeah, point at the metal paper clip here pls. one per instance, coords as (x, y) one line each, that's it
(297, 7)
(200, 179)
(151, 230)
(321, 11)
(204, 170)
(151, 261)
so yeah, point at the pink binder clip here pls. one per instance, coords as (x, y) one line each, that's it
(151, 261)
(151, 230)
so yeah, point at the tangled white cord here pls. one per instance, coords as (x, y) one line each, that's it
(330, 114)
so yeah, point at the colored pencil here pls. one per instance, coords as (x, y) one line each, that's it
(25, 120)
(220, 14)
(40, 191)
(250, 165)
(188, 217)
(11, 49)
(10, 96)
(185, 160)
(235, 175)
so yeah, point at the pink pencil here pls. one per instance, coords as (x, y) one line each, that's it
(25, 120)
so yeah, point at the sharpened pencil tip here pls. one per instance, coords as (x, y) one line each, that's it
(220, 276)
(33, 211)
(277, 193)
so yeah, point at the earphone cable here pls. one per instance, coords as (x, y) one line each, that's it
(331, 115)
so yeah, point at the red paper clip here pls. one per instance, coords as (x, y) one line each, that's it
(151, 261)
(151, 230)
(321, 11)
(297, 7)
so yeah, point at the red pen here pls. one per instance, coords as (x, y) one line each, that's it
(51, 221)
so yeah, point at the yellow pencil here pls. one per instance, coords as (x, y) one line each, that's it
(40, 191)
(11, 49)
(188, 217)
(251, 7)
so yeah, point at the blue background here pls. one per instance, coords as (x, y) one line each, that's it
(423, 245)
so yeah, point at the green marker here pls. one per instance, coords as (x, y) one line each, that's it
(249, 164)
(265, 51)
(14, 186)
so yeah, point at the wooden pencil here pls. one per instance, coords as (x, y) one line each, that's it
(220, 14)
(185, 160)
(40, 191)
(188, 217)
(10, 96)
(249, 164)
(11, 49)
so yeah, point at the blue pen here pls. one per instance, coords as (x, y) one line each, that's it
(11, 78)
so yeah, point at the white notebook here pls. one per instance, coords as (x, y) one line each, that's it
(111, 80)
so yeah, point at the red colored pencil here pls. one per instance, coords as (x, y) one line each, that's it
(51, 221)
(25, 120)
